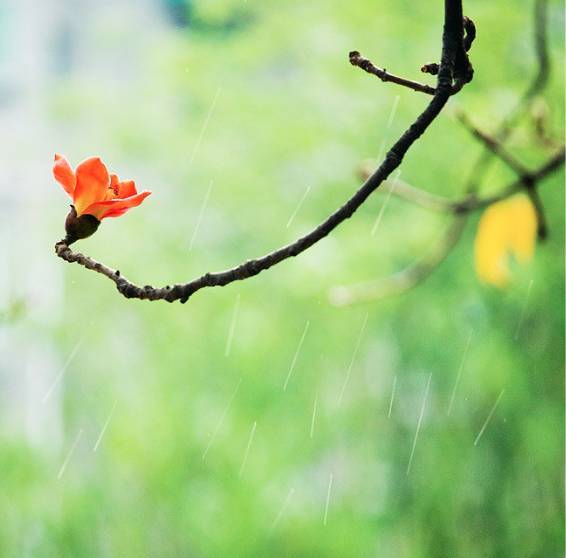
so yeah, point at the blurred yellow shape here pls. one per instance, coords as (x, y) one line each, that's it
(506, 228)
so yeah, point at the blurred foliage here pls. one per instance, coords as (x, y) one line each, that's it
(265, 113)
(214, 19)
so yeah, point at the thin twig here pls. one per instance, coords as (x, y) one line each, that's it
(541, 125)
(420, 270)
(356, 59)
(525, 175)
(494, 145)
(534, 196)
(403, 280)
(542, 54)
(449, 74)
(471, 202)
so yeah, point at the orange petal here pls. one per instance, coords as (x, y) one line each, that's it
(126, 189)
(64, 174)
(92, 184)
(115, 208)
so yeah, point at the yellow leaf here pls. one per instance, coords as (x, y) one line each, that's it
(506, 228)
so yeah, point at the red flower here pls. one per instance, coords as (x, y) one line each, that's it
(94, 191)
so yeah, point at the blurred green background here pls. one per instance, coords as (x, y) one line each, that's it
(134, 429)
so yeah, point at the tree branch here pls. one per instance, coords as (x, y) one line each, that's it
(471, 202)
(403, 280)
(356, 59)
(462, 62)
(536, 85)
(494, 145)
(449, 73)
(526, 178)
(420, 270)
(541, 125)
(463, 71)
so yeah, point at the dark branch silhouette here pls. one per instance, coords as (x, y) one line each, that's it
(417, 272)
(356, 59)
(462, 65)
(454, 71)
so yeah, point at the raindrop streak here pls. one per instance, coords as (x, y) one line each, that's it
(250, 440)
(70, 454)
(314, 414)
(382, 210)
(460, 370)
(204, 126)
(292, 367)
(327, 500)
(282, 510)
(488, 418)
(63, 370)
(105, 427)
(419, 424)
(300, 204)
(387, 126)
(222, 417)
(349, 371)
(523, 311)
(393, 111)
(202, 210)
(392, 396)
(381, 150)
(232, 327)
